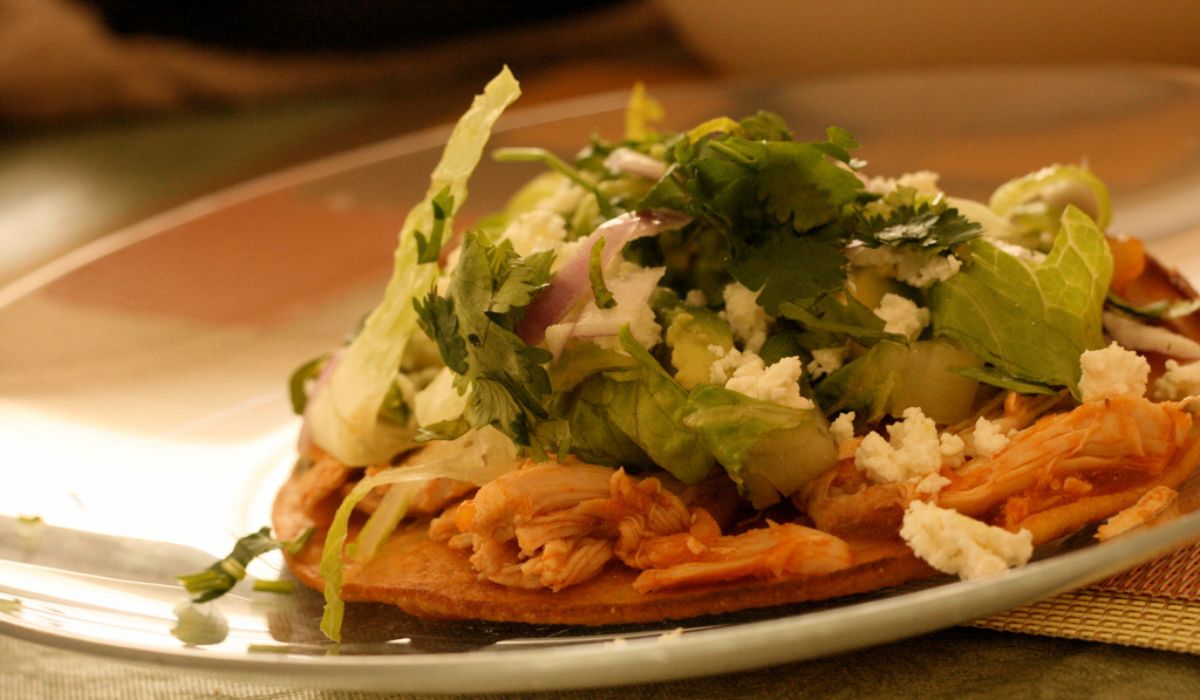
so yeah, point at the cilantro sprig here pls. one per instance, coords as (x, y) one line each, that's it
(541, 155)
(778, 204)
(473, 328)
(929, 225)
(221, 576)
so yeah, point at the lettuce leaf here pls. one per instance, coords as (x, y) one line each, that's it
(635, 417)
(767, 449)
(1030, 321)
(477, 457)
(344, 416)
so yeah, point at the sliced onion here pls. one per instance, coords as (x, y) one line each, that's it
(571, 283)
(1133, 335)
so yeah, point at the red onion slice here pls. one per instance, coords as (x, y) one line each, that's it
(571, 283)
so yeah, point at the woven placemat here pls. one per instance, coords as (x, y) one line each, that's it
(1156, 605)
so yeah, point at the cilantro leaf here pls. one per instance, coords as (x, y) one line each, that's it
(778, 205)
(766, 126)
(831, 322)
(917, 224)
(430, 249)
(437, 318)
(473, 329)
(796, 181)
(221, 576)
(518, 279)
(788, 267)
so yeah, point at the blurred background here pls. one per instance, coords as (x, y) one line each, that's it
(111, 110)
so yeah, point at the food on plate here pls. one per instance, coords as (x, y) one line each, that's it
(695, 372)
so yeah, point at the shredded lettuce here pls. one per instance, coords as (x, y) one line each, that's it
(1029, 320)
(641, 111)
(477, 457)
(344, 416)
(1035, 202)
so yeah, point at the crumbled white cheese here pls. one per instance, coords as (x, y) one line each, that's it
(932, 483)
(826, 361)
(1113, 371)
(913, 449)
(778, 383)
(922, 270)
(987, 438)
(696, 297)
(842, 427)
(860, 255)
(727, 363)
(746, 318)
(902, 316)
(746, 373)
(955, 544)
(953, 449)
(917, 268)
(536, 230)
(1178, 382)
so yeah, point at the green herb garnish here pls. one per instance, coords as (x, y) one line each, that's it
(604, 298)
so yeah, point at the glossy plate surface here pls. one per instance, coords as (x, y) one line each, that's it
(144, 417)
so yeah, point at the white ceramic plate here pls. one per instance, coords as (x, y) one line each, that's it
(143, 412)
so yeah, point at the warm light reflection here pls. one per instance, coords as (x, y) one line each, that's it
(188, 493)
(42, 211)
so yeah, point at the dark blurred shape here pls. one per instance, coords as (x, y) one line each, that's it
(324, 25)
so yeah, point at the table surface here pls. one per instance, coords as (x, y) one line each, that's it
(61, 187)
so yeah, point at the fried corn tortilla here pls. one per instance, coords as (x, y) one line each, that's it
(429, 579)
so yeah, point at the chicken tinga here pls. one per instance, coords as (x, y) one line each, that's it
(689, 373)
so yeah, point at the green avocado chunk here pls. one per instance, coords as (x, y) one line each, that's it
(693, 331)
(891, 377)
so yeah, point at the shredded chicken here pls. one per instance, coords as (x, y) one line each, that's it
(1098, 448)
(553, 526)
(1111, 444)
(1153, 502)
(772, 552)
(325, 477)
